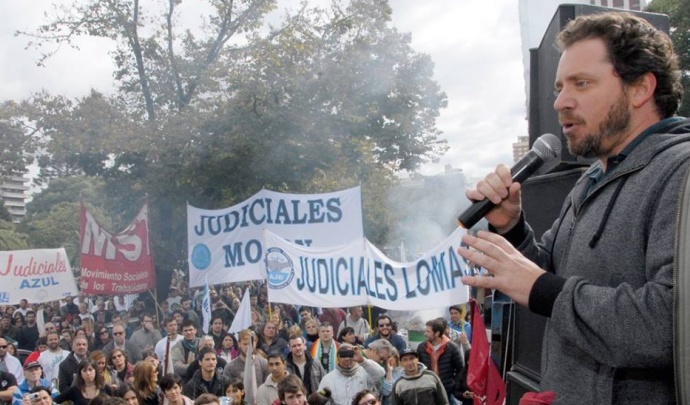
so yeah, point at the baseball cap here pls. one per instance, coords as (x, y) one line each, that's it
(32, 364)
(409, 350)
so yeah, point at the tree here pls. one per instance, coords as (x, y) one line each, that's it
(331, 98)
(679, 16)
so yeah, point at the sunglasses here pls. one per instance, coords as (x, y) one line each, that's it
(104, 332)
(3, 346)
(369, 402)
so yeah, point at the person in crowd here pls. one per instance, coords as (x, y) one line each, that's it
(366, 397)
(127, 392)
(235, 369)
(257, 319)
(171, 385)
(291, 391)
(150, 356)
(9, 363)
(440, 355)
(189, 312)
(102, 315)
(353, 374)
(603, 274)
(461, 330)
(7, 330)
(165, 345)
(384, 325)
(8, 387)
(88, 384)
(66, 336)
(206, 341)
(207, 379)
(207, 399)
(41, 346)
(185, 351)
(322, 397)
(32, 378)
(102, 337)
(18, 320)
(300, 363)
(311, 333)
(121, 366)
(228, 348)
(50, 359)
(417, 385)
(334, 316)
(347, 335)
(44, 397)
(306, 314)
(50, 327)
(217, 331)
(234, 389)
(269, 341)
(84, 312)
(146, 337)
(28, 334)
(108, 375)
(281, 325)
(220, 308)
(356, 321)
(268, 391)
(325, 348)
(393, 373)
(12, 350)
(70, 366)
(121, 342)
(146, 383)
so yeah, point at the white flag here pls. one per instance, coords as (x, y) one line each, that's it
(243, 317)
(206, 309)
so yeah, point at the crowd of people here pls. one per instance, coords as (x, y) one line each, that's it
(140, 351)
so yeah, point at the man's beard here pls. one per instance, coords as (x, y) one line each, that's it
(617, 121)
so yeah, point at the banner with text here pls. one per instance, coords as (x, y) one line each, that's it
(226, 246)
(360, 274)
(39, 275)
(116, 264)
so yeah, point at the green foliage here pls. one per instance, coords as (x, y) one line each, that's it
(10, 239)
(331, 98)
(679, 16)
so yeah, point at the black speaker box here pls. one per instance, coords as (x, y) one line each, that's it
(542, 199)
(543, 64)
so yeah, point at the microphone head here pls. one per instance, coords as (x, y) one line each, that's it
(548, 148)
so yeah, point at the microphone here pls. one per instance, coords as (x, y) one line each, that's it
(543, 157)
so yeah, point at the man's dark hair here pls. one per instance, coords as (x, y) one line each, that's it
(291, 384)
(205, 350)
(635, 48)
(168, 320)
(276, 355)
(206, 398)
(437, 325)
(187, 323)
(169, 380)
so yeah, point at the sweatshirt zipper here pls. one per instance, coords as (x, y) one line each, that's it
(676, 269)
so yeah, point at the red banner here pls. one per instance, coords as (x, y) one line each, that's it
(116, 264)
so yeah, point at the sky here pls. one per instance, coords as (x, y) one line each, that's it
(475, 44)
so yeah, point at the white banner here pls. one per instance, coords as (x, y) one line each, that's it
(226, 245)
(39, 275)
(359, 274)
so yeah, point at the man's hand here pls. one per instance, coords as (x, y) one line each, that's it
(510, 271)
(504, 193)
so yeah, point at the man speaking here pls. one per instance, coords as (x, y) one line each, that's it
(603, 273)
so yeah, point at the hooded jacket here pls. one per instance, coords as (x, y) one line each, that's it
(450, 362)
(314, 372)
(422, 388)
(608, 290)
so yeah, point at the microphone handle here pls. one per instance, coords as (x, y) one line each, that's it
(521, 171)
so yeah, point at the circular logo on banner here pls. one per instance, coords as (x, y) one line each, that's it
(201, 257)
(279, 269)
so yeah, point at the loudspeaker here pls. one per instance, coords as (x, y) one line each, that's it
(542, 200)
(543, 64)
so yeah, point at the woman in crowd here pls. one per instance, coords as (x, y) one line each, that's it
(127, 392)
(311, 330)
(18, 319)
(88, 384)
(146, 383)
(228, 348)
(107, 374)
(151, 357)
(12, 349)
(234, 389)
(281, 326)
(365, 397)
(102, 337)
(119, 363)
(81, 331)
(347, 335)
(393, 373)
(171, 385)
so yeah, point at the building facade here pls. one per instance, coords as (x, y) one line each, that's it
(14, 191)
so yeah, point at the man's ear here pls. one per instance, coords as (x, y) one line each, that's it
(642, 90)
